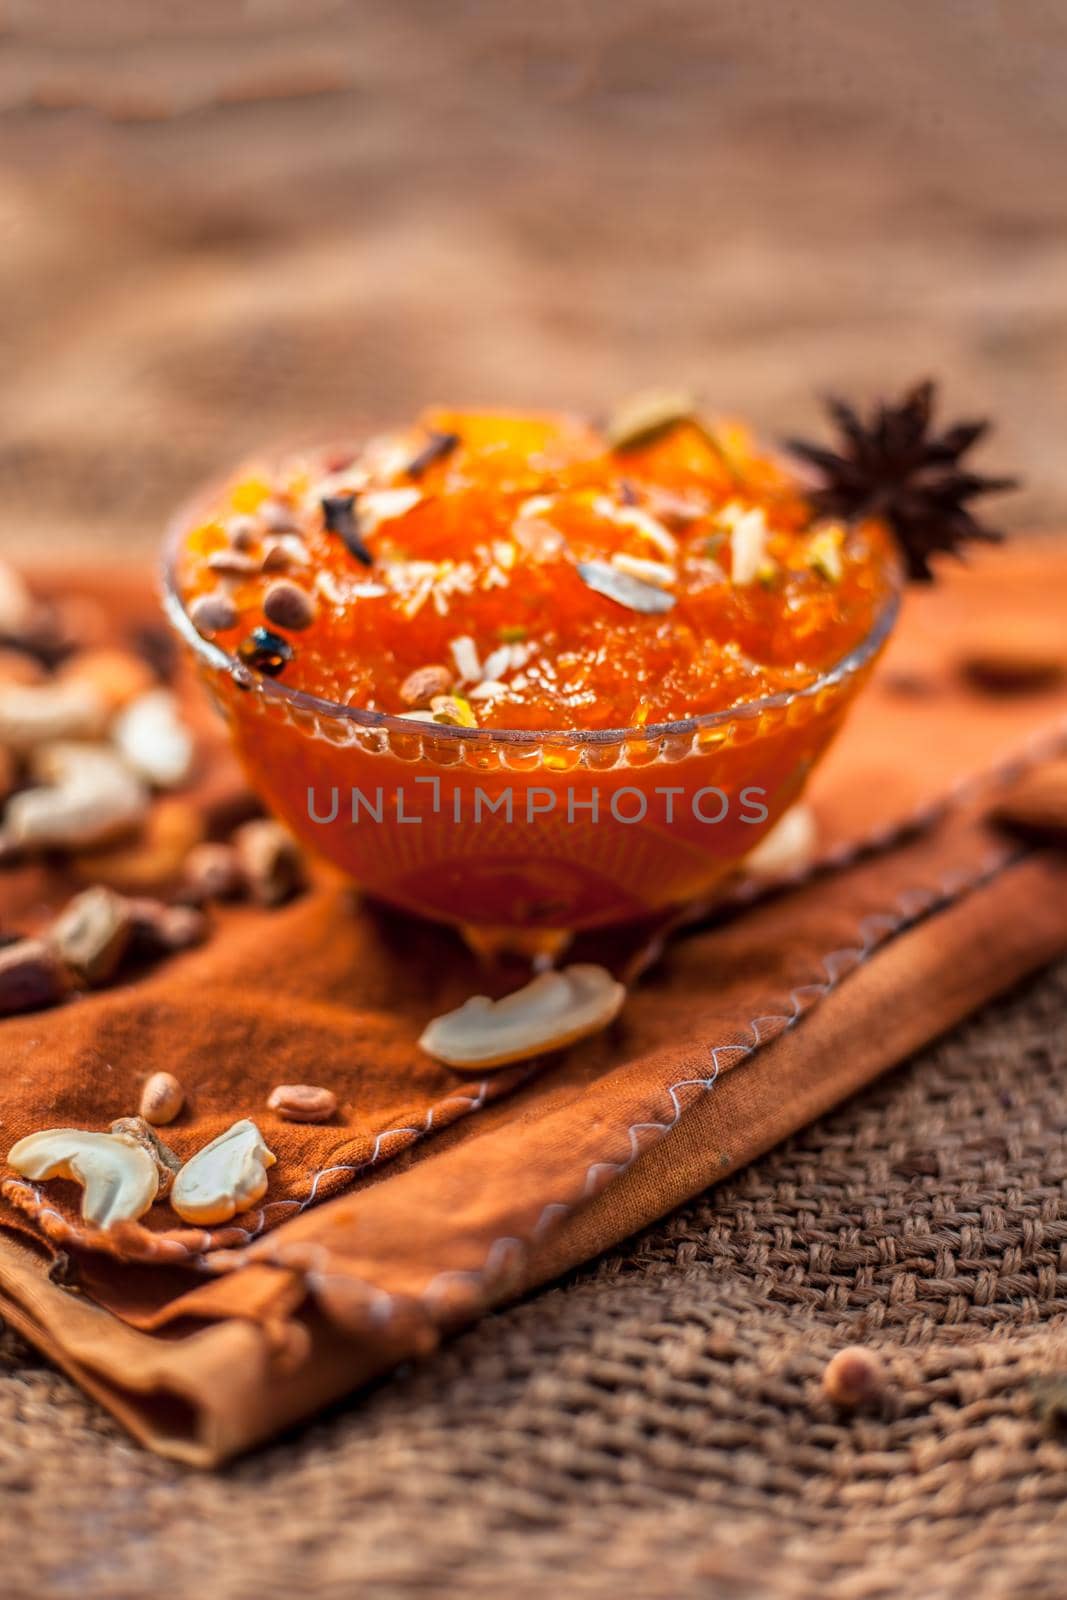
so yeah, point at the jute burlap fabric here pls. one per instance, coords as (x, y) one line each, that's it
(653, 1426)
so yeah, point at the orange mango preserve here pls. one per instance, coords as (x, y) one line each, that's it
(478, 573)
(554, 582)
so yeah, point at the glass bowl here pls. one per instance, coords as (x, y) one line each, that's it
(508, 832)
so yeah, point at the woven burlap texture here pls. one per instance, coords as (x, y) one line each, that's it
(653, 1427)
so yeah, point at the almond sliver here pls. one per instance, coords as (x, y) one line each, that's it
(555, 1009)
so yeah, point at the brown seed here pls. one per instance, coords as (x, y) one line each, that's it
(213, 613)
(854, 1377)
(288, 606)
(161, 1098)
(137, 1131)
(270, 860)
(32, 975)
(424, 685)
(93, 933)
(212, 872)
(302, 1102)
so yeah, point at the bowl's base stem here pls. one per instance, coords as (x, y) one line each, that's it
(542, 947)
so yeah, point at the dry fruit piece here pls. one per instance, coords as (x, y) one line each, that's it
(32, 976)
(212, 872)
(227, 1176)
(119, 1177)
(91, 797)
(44, 713)
(270, 860)
(137, 1130)
(556, 1009)
(92, 934)
(302, 1102)
(161, 1098)
(154, 740)
(854, 1377)
(421, 687)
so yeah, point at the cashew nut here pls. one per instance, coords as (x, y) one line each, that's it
(788, 847)
(153, 739)
(119, 1177)
(226, 1176)
(554, 1010)
(91, 797)
(41, 713)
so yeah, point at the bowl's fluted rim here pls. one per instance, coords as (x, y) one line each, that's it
(220, 660)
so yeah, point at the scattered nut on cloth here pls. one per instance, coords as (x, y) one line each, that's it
(433, 1194)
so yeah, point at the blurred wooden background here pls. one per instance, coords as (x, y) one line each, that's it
(223, 222)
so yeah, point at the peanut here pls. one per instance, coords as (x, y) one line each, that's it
(162, 1098)
(302, 1102)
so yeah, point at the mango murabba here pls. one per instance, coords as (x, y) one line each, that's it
(535, 573)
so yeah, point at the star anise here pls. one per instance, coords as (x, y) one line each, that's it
(894, 465)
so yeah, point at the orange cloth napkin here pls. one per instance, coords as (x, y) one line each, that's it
(433, 1196)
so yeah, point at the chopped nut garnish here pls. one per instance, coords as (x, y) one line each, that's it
(465, 655)
(645, 418)
(824, 554)
(453, 710)
(624, 590)
(424, 685)
(748, 545)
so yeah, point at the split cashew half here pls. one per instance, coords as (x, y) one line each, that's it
(119, 1177)
(40, 713)
(556, 1009)
(226, 1176)
(91, 797)
(153, 739)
